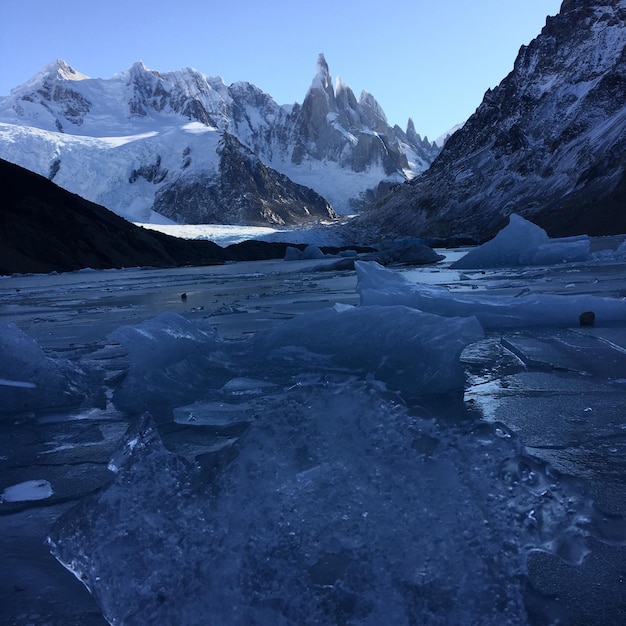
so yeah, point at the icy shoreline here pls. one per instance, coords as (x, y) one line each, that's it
(559, 390)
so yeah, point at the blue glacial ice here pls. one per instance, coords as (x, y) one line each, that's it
(378, 286)
(341, 507)
(410, 351)
(324, 495)
(26, 491)
(170, 361)
(31, 380)
(523, 243)
(292, 475)
(171, 358)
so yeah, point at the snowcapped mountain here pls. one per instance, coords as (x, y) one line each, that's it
(548, 143)
(196, 150)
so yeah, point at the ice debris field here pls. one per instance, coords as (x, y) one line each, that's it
(289, 446)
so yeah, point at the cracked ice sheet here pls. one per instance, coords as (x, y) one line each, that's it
(162, 288)
(341, 507)
(80, 307)
(564, 393)
(380, 286)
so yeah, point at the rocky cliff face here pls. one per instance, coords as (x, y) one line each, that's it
(332, 124)
(245, 191)
(160, 131)
(548, 143)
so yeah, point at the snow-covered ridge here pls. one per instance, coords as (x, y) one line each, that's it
(139, 121)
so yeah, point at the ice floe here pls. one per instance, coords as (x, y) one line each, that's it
(523, 243)
(378, 286)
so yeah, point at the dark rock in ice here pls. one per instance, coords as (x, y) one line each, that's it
(588, 318)
(311, 253)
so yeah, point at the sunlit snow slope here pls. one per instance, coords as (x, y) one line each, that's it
(197, 150)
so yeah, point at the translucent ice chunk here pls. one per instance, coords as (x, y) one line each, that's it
(523, 243)
(505, 248)
(27, 491)
(341, 507)
(5, 382)
(30, 380)
(379, 286)
(312, 252)
(566, 250)
(170, 361)
(411, 351)
(246, 386)
(292, 254)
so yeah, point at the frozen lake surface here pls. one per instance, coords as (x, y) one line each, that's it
(316, 450)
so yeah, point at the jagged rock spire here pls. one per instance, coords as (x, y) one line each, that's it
(322, 80)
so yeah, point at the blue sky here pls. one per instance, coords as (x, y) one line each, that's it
(431, 61)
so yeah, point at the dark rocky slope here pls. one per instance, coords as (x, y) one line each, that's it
(44, 228)
(548, 143)
(245, 191)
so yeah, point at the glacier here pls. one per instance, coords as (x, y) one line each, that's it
(285, 445)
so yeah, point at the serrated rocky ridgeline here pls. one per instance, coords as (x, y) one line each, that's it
(144, 142)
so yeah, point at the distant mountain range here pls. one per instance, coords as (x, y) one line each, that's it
(548, 143)
(184, 146)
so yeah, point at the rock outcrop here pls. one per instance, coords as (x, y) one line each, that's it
(548, 143)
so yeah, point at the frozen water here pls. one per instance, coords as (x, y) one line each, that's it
(506, 248)
(170, 359)
(292, 254)
(410, 351)
(340, 508)
(620, 253)
(28, 378)
(312, 252)
(28, 490)
(216, 414)
(382, 287)
(564, 250)
(523, 243)
(298, 468)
